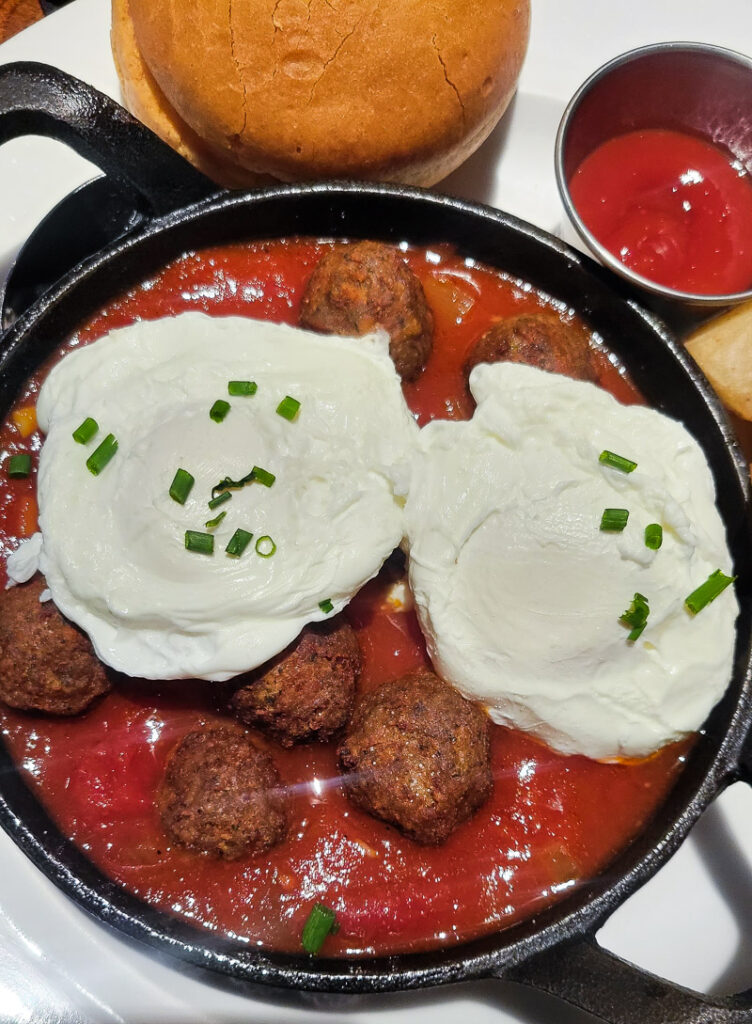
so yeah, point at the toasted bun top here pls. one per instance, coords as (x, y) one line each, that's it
(371, 88)
(143, 97)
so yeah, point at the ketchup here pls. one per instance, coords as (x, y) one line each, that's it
(672, 207)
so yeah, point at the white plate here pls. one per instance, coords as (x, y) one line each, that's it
(693, 922)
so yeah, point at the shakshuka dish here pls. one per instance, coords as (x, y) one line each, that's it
(352, 599)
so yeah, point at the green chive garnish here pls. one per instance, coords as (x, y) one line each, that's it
(263, 476)
(320, 923)
(19, 466)
(86, 431)
(181, 485)
(211, 523)
(326, 606)
(102, 455)
(616, 461)
(708, 591)
(228, 482)
(636, 633)
(653, 536)
(614, 519)
(268, 546)
(242, 387)
(201, 542)
(257, 474)
(636, 616)
(219, 410)
(238, 543)
(288, 407)
(221, 498)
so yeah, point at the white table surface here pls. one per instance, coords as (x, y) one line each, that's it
(692, 923)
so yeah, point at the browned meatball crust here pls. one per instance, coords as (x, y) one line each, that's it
(417, 755)
(222, 795)
(356, 288)
(46, 663)
(306, 693)
(537, 339)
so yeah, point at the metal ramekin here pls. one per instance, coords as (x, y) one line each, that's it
(691, 87)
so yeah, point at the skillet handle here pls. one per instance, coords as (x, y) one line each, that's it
(36, 99)
(745, 760)
(611, 989)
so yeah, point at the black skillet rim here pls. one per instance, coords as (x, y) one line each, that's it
(582, 912)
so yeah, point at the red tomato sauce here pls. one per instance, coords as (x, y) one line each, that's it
(543, 830)
(672, 207)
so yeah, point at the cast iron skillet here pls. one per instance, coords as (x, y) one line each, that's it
(181, 210)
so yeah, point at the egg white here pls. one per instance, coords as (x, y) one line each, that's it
(519, 592)
(113, 545)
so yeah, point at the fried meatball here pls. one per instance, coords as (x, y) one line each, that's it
(356, 288)
(221, 794)
(538, 339)
(307, 692)
(417, 755)
(46, 663)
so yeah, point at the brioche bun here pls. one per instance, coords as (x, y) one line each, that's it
(395, 90)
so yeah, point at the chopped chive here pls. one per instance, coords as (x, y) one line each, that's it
(637, 611)
(201, 542)
(708, 591)
(653, 536)
(242, 387)
(19, 466)
(616, 461)
(211, 523)
(636, 616)
(267, 544)
(181, 485)
(220, 499)
(102, 455)
(320, 923)
(288, 408)
(238, 543)
(614, 519)
(228, 482)
(219, 410)
(263, 476)
(326, 606)
(86, 431)
(636, 633)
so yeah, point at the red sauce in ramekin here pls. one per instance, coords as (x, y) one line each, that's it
(544, 829)
(672, 207)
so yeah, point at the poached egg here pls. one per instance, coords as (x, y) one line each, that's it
(113, 550)
(519, 592)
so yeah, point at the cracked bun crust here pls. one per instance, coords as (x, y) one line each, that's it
(143, 97)
(398, 90)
